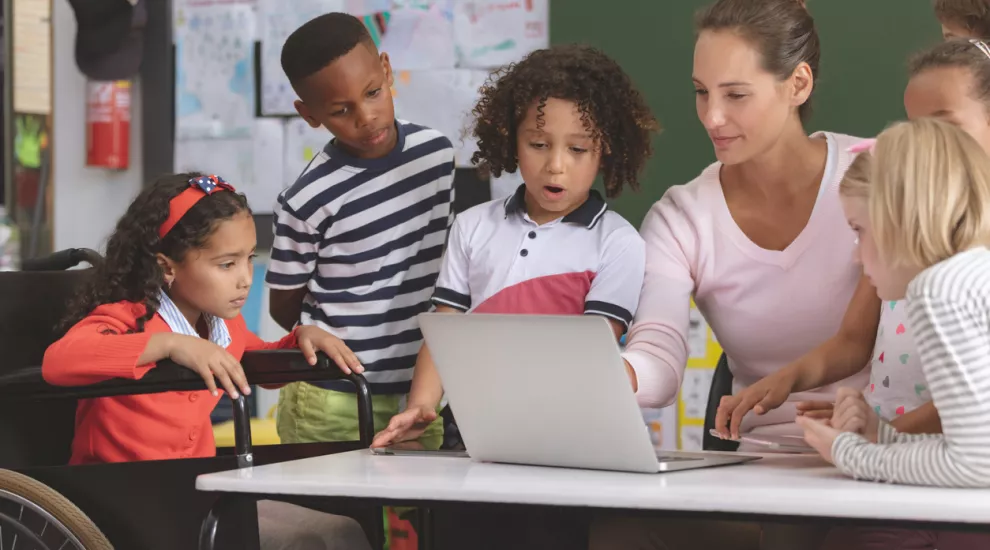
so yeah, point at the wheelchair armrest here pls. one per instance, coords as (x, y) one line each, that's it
(260, 367)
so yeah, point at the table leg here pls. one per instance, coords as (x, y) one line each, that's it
(425, 537)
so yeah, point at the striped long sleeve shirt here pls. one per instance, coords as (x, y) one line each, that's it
(949, 310)
(365, 238)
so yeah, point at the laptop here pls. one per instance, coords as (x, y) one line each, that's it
(547, 390)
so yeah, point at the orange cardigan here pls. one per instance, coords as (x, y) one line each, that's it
(135, 427)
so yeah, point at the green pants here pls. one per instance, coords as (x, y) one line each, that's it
(308, 414)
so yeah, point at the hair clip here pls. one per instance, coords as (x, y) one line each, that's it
(209, 184)
(865, 145)
(981, 45)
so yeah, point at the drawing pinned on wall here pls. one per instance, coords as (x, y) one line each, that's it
(253, 164)
(697, 335)
(277, 19)
(214, 70)
(694, 392)
(441, 99)
(492, 33)
(420, 36)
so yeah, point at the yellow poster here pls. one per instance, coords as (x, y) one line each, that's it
(703, 354)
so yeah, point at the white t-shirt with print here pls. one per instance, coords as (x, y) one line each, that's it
(897, 384)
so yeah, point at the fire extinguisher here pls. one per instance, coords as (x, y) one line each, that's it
(108, 124)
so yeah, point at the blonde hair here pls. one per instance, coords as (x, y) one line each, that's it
(929, 193)
(856, 181)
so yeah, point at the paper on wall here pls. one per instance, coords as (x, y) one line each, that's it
(268, 161)
(276, 21)
(694, 391)
(697, 335)
(420, 36)
(302, 143)
(253, 164)
(493, 33)
(214, 70)
(441, 99)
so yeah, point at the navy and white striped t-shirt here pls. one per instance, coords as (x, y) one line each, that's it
(365, 237)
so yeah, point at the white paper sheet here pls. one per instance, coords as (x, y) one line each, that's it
(697, 335)
(493, 33)
(253, 165)
(269, 162)
(694, 391)
(214, 70)
(277, 19)
(420, 36)
(441, 99)
(302, 143)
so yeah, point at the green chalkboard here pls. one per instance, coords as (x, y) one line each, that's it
(865, 45)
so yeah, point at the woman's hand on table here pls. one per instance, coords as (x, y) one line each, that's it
(762, 397)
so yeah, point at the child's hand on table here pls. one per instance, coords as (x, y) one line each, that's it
(407, 425)
(314, 339)
(853, 414)
(819, 435)
(211, 362)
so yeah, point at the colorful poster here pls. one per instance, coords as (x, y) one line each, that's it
(277, 19)
(692, 402)
(491, 33)
(420, 35)
(214, 70)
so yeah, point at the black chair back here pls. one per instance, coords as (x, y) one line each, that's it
(32, 302)
(721, 386)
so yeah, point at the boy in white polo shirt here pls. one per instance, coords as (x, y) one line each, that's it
(562, 117)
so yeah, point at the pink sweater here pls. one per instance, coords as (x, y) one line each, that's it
(766, 307)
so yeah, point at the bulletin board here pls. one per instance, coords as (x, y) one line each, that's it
(234, 109)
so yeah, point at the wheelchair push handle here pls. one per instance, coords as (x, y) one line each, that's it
(62, 260)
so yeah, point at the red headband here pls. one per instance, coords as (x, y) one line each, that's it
(199, 187)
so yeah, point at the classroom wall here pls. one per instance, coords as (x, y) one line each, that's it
(864, 49)
(87, 201)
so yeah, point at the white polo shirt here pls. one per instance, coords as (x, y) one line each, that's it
(499, 261)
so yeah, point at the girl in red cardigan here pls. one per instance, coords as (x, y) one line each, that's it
(177, 273)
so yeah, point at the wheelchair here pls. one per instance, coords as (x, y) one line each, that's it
(45, 504)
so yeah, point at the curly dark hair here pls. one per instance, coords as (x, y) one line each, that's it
(130, 271)
(612, 109)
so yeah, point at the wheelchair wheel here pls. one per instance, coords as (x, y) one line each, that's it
(33, 516)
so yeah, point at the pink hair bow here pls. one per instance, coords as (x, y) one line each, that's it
(865, 145)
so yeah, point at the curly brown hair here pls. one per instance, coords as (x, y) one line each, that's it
(612, 109)
(130, 271)
(972, 15)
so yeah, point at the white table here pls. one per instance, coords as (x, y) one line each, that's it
(776, 485)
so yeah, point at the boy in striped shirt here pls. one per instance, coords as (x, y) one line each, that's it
(360, 234)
